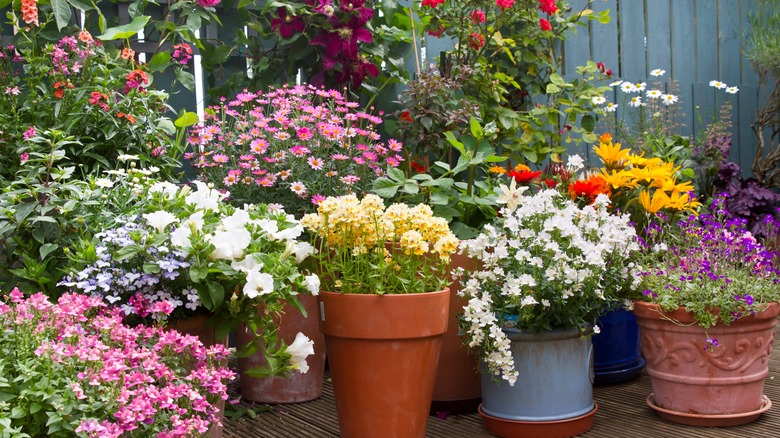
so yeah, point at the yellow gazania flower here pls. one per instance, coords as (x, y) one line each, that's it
(659, 200)
(618, 179)
(640, 161)
(649, 174)
(498, 170)
(683, 201)
(611, 155)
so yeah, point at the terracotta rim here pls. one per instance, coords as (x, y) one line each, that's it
(713, 420)
(513, 428)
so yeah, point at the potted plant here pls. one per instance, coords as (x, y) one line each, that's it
(383, 309)
(75, 368)
(548, 269)
(707, 314)
(291, 146)
(187, 247)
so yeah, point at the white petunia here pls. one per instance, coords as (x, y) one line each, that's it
(301, 348)
(166, 188)
(313, 284)
(237, 220)
(229, 245)
(258, 283)
(205, 197)
(302, 251)
(160, 219)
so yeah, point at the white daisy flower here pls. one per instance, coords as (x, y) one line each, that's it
(657, 72)
(598, 100)
(627, 87)
(635, 102)
(669, 99)
(718, 84)
(654, 94)
(640, 86)
(611, 107)
(732, 90)
(298, 188)
(615, 84)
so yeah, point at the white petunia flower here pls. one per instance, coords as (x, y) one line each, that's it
(160, 219)
(229, 245)
(258, 283)
(313, 284)
(301, 348)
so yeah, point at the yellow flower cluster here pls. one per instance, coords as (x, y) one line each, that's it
(654, 179)
(364, 225)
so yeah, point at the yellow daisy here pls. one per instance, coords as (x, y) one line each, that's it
(659, 200)
(612, 155)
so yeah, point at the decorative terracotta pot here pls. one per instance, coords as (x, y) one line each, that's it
(196, 326)
(458, 388)
(553, 395)
(692, 384)
(297, 387)
(382, 352)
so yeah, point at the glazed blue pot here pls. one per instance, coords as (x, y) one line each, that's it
(616, 350)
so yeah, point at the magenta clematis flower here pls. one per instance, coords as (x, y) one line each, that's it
(286, 25)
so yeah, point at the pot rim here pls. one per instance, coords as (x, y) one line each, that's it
(643, 309)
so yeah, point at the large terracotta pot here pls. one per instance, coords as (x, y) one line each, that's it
(382, 352)
(297, 387)
(553, 394)
(693, 384)
(196, 326)
(458, 388)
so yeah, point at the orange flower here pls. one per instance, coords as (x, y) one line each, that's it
(59, 88)
(30, 11)
(498, 170)
(522, 168)
(127, 53)
(605, 138)
(588, 188)
(85, 36)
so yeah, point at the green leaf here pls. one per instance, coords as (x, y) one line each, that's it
(160, 61)
(476, 128)
(396, 174)
(588, 123)
(411, 188)
(217, 293)
(495, 159)
(552, 89)
(556, 79)
(47, 249)
(24, 210)
(187, 119)
(385, 188)
(62, 13)
(454, 142)
(186, 78)
(125, 31)
(126, 252)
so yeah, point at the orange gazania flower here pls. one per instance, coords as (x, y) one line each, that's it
(589, 188)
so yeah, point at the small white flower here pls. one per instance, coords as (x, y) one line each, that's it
(640, 86)
(302, 251)
(598, 100)
(611, 107)
(615, 84)
(160, 219)
(301, 348)
(657, 72)
(635, 102)
(127, 157)
(669, 99)
(628, 87)
(732, 90)
(298, 188)
(104, 183)
(575, 163)
(512, 195)
(718, 84)
(654, 94)
(313, 284)
(229, 245)
(258, 283)
(596, 329)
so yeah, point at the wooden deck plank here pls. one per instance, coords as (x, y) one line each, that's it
(623, 413)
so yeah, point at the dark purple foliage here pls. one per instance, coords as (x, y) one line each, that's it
(749, 200)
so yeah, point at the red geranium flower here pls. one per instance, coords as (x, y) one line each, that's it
(544, 24)
(505, 4)
(476, 40)
(548, 6)
(405, 117)
(431, 3)
(477, 16)
(524, 176)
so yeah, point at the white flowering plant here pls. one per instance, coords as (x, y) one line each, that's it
(187, 248)
(546, 264)
(365, 248)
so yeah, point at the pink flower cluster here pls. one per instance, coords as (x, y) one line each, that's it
(292, 145)
(150, 380)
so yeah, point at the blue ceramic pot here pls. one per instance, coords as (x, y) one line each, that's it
(616, 350)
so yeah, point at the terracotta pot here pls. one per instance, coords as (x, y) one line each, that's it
(383, 351)
(196, 326)
(297, 387)
(692, 383)
(458, 388)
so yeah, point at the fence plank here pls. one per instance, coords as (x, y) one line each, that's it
(576, 49)
(604, 37)
(659, 41)
(729, 40)
(749, 75)
(744, 145)
(683, 67)
(706, 13)
(632, 39)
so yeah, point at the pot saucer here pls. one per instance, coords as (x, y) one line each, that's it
(550, 429)
(719, 420)
(609, 377)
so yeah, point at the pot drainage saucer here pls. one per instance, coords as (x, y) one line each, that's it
(549, 429)
(719, 420)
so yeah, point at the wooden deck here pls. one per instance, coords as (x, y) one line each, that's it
(622, 413)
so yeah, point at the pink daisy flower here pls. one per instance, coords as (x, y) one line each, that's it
(315, 163)
(316, 199)
(220, 158)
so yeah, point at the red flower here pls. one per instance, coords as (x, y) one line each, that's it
(431, 3)
(477, 16)
(505, 4)
(544, 24)
(600, 66)
(476, 40)
(548, 6)
(59, 88)
(405, 117)
(287, 26)
(550, 182)
(417, 167)
(588, 188)
(436, 32)
(524, 176)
